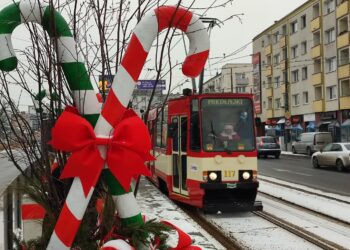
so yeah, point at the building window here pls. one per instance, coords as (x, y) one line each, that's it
(276, 59)
(284, 30)
(343, 25)
(331, 64)
(345, 87)
(303, 22)
(304, 73)
(284, 75)
(269, 103)
(304, 48)
(240, 89)
(262, 43)
(330, 35)
(269, 82)
(294, 51)
(275, 37)
(318, 93)
(329, 6)
(317, 66)
(268, 58)
(296, 100)
(316, 38)
(264, 104)
(305, 97)
(332, 92)
(294, 27)
(315, 11)
(278, 103)
(295, 75)
(277, 82)
(343, 56)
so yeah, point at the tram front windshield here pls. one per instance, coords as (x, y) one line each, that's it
(227, 125)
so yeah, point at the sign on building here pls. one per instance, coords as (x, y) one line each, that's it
(257, 83)
(149, 84)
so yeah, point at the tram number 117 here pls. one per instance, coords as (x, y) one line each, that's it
(229, 173)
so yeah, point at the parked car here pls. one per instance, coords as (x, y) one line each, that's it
(308, 143)
(268, 145)
(333, 154)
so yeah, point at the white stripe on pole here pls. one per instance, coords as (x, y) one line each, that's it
(30, 11)
(67, 50)
(101, 127)
(126, 205)
(123, 86)
(118, 245)
(197, 31)
(6, 49)
(56, 243)
(146, 31)
(86, 102)
(77, 199)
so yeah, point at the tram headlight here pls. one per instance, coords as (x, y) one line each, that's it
(213, 176)
(246, 175)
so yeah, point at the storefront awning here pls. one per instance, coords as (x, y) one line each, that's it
(281, 121)
(346, 123)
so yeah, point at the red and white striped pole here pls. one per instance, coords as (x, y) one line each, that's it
(120, 94)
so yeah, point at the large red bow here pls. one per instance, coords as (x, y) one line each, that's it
(127, 149)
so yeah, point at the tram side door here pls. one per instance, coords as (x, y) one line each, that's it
(179, 155)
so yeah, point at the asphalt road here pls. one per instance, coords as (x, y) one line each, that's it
(299, 170)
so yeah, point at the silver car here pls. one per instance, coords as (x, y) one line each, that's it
(333, 154)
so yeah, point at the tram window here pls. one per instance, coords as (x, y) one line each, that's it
(194, 127)
(164, 134)
(159, 134)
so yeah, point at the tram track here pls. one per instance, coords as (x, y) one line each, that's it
(226, 241)
(300, 232)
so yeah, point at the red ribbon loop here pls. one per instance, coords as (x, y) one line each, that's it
(127, 149)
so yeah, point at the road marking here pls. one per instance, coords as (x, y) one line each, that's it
(285, 170)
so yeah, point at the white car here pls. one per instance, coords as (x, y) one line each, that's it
(333, 154)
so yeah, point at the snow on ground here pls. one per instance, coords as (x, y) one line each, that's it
(155, 205)
(291, 153)
(321, 204)
(253, 232)
(331, 230)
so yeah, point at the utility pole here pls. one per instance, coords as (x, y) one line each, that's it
(212, 22)
(231, 80)
(287, 114)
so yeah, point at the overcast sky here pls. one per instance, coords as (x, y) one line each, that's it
(257, 16)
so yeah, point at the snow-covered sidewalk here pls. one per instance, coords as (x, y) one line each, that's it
(155, 205)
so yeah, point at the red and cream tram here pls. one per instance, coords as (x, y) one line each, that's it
(205, 152)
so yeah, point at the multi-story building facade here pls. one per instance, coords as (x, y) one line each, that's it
(234, 78)
(305, 69)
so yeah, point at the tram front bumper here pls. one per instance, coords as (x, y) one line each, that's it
(230, 197)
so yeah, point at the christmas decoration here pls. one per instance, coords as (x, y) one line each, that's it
(113, 134)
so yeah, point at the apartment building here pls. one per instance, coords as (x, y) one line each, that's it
(234, 78)
(305, 70)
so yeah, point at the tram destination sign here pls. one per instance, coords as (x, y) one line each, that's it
(149, 84)
(223, 102)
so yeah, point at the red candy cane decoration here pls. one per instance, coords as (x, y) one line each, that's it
(121, 92)
(140, 44)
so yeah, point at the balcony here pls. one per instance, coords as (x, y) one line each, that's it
(344, 102)
(283, 88)
(318, 106)
(317, 79)
(283, 42)
(343, 40)
(268, 50)
(316, 51)
(282, 65)
(315, 24)
(268, 70)
(269, 92)
(269, 113)
(342, 9)
(344, 71)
